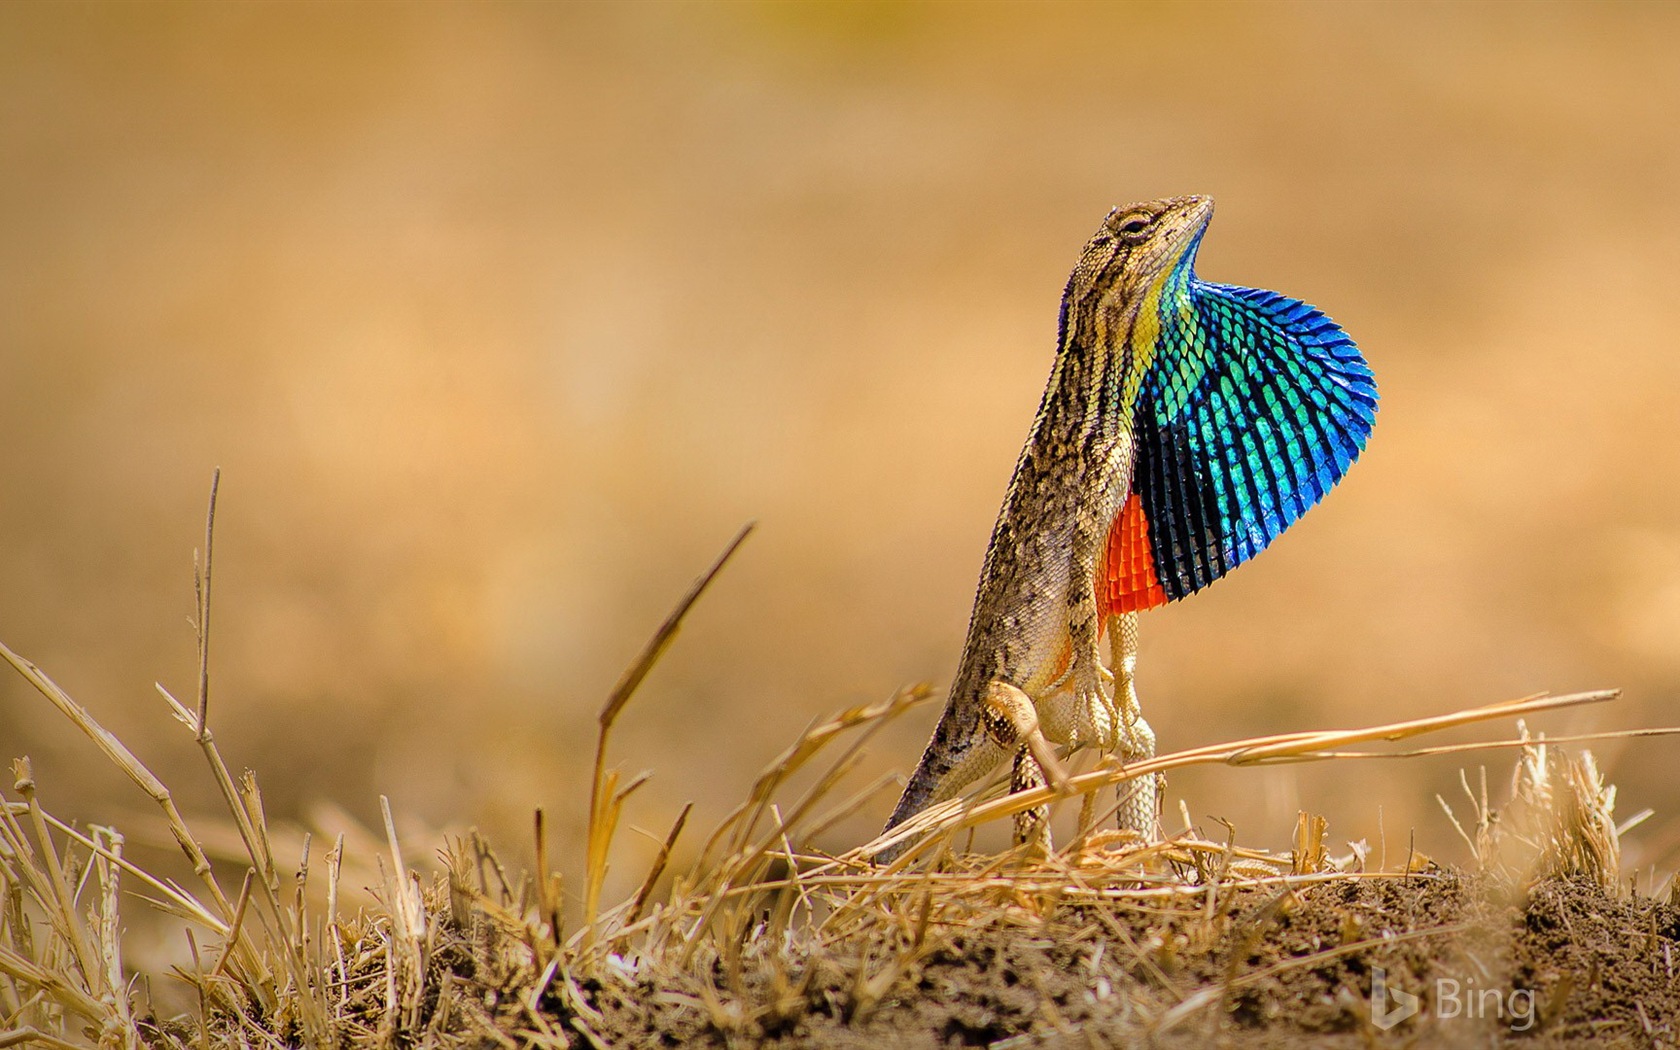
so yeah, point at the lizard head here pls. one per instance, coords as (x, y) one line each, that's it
(1134, 249)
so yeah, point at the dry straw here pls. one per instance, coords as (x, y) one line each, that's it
(480, 957)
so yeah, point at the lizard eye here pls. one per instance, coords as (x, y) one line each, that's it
(1133, 227)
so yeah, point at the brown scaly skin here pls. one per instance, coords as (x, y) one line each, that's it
(1036, 604)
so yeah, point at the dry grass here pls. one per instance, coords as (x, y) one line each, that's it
(480, 957)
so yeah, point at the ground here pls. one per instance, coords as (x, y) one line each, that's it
(1566, 964)
(1108, 940)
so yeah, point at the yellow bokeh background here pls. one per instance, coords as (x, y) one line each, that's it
(500, 319)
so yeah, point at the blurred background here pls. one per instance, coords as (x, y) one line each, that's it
(500, 320)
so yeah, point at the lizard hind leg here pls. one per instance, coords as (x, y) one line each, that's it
(1032, 826)
(1012, 722)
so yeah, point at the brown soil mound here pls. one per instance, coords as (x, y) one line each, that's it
(1566, 965)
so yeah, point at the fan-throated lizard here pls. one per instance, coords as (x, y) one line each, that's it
(1185, 425)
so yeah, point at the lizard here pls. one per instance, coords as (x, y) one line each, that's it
(1184, 426)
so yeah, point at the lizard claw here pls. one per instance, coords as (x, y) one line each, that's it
(1097, 721)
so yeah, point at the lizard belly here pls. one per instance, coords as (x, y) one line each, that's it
(1045, 656)
(1021, 614)
(1034, 642)
(1037, 637)
(1041, 671)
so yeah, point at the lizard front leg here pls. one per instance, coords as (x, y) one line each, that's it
(1140, 799)
(1096, 722)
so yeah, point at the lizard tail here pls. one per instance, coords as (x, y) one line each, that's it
(959, 753)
